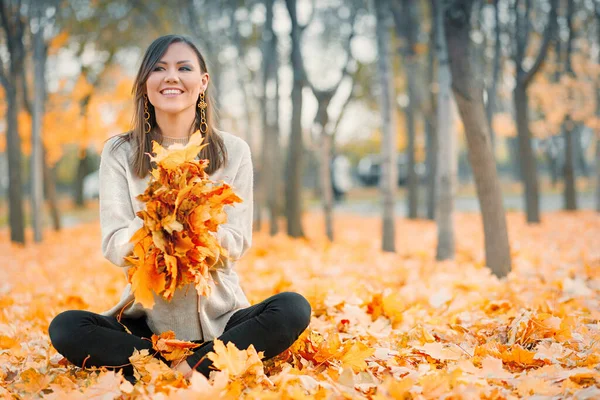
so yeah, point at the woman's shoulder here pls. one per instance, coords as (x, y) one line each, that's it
(234, 144)
(117, 145)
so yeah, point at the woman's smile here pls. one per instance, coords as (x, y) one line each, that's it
(171, 92)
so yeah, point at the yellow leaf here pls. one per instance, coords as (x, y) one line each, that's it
(32, 382)
(355, 355)
(175, 155)
(236, 362)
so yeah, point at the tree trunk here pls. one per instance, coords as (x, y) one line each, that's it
(244, 76)
(597, 12)
(326, 187)
(270, 139)
(513, 149)
(295, 147)
(468, 93)
(12, 23)
(324, 157)
(406, 25)
(275, 206)
(13, 148)
(570, 196)
(569, 193)
(37, 183)
(551, 152)
(388, 144)
(431, 121)
(527, 162)
(412, 186)
(82, 171)
(523, 79)
(491, 94)
(580, 163)
(446, 151)
(597, 173)
(275, 188)
(50, 192)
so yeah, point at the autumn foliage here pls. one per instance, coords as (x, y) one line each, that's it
(182, 210)
(383, 326)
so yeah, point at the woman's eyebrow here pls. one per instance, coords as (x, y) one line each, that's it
(178, 62)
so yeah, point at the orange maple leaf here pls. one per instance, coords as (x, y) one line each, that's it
(170, 348)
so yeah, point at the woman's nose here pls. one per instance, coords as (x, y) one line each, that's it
(172, 77)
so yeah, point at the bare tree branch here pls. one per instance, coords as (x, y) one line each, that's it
(526, 25)
(348, 100)
(348, 62)
(548, 36)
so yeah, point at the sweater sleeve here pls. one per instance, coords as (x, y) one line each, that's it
(118, 221)
(235, 235)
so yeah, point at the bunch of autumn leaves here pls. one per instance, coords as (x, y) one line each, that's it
(183, 208)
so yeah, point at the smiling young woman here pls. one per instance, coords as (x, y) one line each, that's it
(171, 102)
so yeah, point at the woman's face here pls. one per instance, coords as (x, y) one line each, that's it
(176, 81)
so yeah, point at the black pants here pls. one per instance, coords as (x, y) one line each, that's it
(83, 337)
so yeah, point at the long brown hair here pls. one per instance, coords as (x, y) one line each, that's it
(141, 142)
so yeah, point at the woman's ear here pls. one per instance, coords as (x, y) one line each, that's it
(205, 80)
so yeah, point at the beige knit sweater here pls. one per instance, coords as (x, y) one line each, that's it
(190, 316)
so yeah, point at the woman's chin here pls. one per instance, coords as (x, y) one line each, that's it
(170, 110)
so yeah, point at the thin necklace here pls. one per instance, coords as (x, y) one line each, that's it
(172, 137)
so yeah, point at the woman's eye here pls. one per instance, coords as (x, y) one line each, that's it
(184, 68)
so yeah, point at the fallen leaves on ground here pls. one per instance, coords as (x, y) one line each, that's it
(384, 325)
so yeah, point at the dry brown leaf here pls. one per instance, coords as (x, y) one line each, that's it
(170, 348)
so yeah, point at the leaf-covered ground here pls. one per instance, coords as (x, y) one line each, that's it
(384, 325)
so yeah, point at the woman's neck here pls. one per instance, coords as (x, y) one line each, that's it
(178, 125)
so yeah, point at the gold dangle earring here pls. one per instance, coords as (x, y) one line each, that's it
(202, 106)
(147, 125)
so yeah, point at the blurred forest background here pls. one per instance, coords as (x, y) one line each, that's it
(394, 108)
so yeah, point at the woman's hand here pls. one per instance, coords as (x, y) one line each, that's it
(183, 367)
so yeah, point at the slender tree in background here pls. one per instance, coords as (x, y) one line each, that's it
(446, 171)
(467, 87)
(388, 144)
(406, 24)
(496, 67)
(13, 26)
(43, 182)
(597, 15)
(39, 61)
(551, 147)
(270, 118)
(430, 118)
(324, 127)
(569, 193)
(524, 78)
(293, 180)
(245, 77)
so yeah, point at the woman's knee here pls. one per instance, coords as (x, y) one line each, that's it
(64, 326)
(295, 309)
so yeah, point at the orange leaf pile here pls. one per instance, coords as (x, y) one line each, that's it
(183, 208)
(170, 348)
